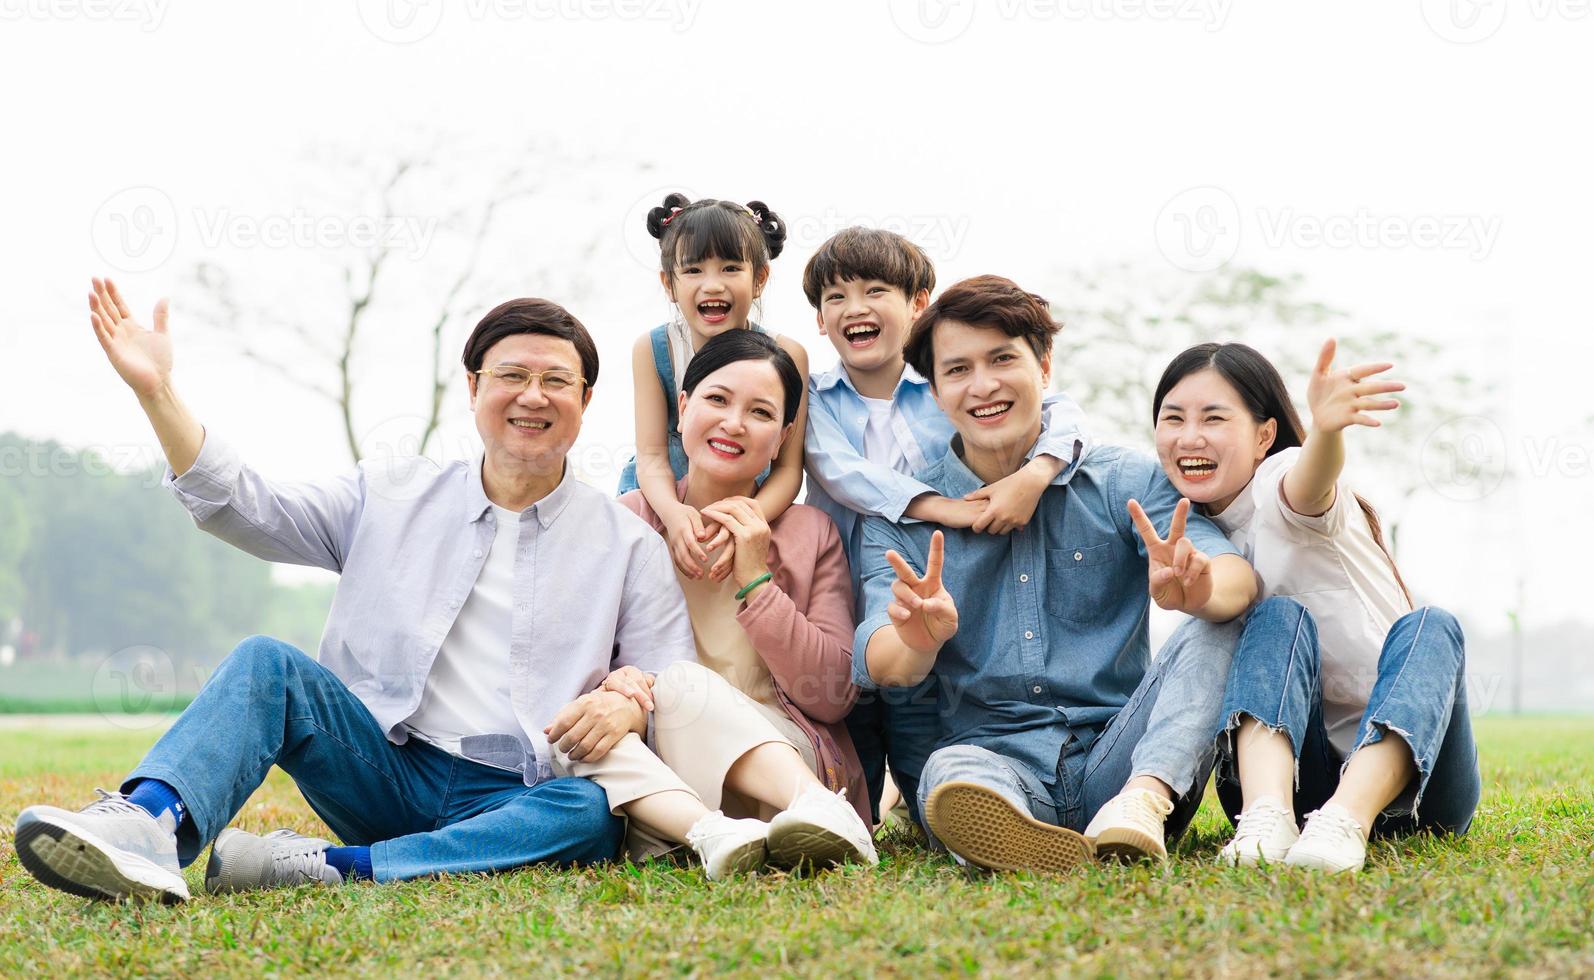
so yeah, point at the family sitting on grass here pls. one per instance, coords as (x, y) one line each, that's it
(518, 669)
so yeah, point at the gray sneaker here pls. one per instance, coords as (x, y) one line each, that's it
(244, 862)
(109, 849)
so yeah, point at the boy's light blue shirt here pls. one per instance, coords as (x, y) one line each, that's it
(848, 486)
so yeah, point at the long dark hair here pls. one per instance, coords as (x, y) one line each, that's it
(1266, 397)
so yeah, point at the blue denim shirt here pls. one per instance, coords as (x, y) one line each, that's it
(1052, 635)
(848, 486)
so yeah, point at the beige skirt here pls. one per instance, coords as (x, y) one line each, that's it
(701, 726)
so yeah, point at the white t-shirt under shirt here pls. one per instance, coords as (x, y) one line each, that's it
(1332, 565)
(880, 443)
(467, 691)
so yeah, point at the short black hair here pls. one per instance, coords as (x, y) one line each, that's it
(868, 253)
(747, 345)
(983, 301)
(528, 315)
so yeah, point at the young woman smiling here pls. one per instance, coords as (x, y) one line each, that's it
(1335, 660)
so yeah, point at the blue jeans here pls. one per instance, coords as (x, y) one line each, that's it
(1164, 730)
(899, 727)
(421, 810)
(1420, 694)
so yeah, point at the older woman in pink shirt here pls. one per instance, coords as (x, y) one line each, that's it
(759, 734)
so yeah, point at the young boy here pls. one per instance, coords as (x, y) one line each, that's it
(872, 424)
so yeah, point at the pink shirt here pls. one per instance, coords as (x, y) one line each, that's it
(801, 624)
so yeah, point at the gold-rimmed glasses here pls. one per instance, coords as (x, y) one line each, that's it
(513, 379)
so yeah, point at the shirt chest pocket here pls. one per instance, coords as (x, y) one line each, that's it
(1080, 582)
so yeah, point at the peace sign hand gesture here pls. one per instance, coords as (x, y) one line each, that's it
(1179, 576)
(921, 608)
(1339, 399)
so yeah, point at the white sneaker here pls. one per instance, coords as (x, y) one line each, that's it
(241, 861)
(729, 847)
(819, 830)
(109, 849)
(1128, 827)
(1333, 841)
(1264, 834)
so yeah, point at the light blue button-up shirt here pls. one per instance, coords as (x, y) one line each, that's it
(848, 486)
(1052, 635)
(594, 588)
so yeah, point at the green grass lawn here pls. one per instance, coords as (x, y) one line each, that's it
(1516, 896)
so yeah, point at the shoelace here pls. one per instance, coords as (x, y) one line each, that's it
(113, 804)
(698, 833)
(816, 795)
(1332, 824)
(298, 861)
(1147, 809)
(1261, 821)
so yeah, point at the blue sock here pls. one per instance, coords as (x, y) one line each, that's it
(352, 862)
(161, 801)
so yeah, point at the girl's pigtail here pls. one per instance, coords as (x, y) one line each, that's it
(770, 225)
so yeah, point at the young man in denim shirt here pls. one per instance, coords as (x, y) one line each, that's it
(1053, 719)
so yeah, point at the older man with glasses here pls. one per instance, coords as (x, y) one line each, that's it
(475, 601)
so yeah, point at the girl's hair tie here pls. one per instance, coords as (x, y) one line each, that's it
(673, 213)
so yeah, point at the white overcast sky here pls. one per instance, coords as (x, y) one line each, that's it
(1019, 137)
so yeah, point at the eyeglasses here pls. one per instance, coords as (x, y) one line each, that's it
(517, 380)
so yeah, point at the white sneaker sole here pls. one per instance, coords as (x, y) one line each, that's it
(796, 844)
(1317, 862)
(74, 861)
(1250, 856)
(739, 860)
(1127, 845)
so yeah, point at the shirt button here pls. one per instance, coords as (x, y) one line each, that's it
(476, 554)
(1027, 634)
(452, 604)
(1023, 578)
(1036, 689)
(1079, 556)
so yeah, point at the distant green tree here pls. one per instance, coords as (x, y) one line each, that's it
(108, 560)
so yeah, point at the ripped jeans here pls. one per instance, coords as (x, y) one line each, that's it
(1420, 695)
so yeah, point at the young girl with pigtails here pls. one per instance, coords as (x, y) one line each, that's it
(714, 258)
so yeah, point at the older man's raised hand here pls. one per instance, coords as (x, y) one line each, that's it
(142, 357)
